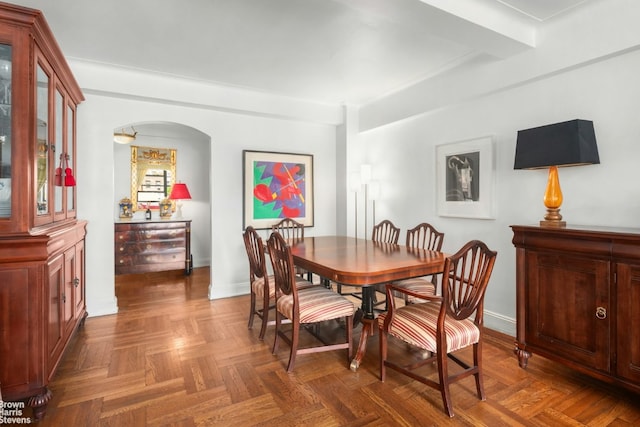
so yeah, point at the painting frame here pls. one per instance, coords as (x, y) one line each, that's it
(465, 178)
(271, 193)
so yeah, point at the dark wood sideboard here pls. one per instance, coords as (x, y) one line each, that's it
(578, 299)
(150, 246)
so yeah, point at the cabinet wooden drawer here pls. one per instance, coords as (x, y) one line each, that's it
(149, 234)
(149, 246)
(151, 258)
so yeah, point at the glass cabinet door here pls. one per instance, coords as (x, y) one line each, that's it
(71, 190)
(42, 142)
(59, 155)
(5, 130)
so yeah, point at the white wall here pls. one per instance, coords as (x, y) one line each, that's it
(584, 67)
(604, 89)
(230, 133)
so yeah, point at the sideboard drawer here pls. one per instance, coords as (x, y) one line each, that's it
(142, 247)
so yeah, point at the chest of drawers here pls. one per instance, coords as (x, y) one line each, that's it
(150, 246)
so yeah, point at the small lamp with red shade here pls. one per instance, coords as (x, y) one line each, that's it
(179, 192)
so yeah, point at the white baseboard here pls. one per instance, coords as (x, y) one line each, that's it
(500, 323)
(103, 308)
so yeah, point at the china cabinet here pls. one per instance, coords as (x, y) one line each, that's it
(42, 289)
(578, 299)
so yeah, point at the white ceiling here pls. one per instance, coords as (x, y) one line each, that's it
(330, 51)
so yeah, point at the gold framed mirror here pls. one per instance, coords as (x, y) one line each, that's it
(153, 173)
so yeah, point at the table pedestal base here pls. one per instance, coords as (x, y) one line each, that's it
(369, 327)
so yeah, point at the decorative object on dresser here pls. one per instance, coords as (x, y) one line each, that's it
(126, 211)
(149, 246)
(165, 209)
(42, 243)
(571, 143)
(179, 192)
(577, 299)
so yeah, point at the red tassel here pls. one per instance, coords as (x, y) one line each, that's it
(69, 180)
(57, 179)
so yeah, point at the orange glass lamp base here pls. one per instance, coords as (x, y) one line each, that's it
(553, 200)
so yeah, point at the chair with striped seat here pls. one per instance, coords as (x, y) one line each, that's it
(262, 285)
(422, 236)
(445, 324)
(304, 305)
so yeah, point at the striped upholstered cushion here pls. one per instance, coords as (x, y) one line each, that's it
(416, 324)
(417, 284)
(316, 304)
(258, 286)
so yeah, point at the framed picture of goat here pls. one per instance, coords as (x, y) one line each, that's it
(465, 178)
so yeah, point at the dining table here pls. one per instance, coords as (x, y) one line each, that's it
(363, 263)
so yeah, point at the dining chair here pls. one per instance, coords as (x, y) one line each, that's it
(262, 285)
(292, 230)
(309, 305)
(422, 236)
(444, 324)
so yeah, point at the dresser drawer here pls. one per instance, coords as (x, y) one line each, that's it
(149, 235)
(151, 258)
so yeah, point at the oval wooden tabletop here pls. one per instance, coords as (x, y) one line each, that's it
(362, 262)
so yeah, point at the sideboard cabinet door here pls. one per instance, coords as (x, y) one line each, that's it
(563, 296)
(628, 322)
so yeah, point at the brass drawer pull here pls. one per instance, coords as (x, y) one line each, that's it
(601, 313)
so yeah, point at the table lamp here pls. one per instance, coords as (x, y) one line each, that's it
(179, 192)
(571, 143)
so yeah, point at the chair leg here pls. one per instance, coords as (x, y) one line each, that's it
(444, 382)
(265, 316)
(252, 310)
(382, 339)
(295, 334)
(477, 361)
(276, 340)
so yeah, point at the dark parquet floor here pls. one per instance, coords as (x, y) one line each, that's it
(171, 357)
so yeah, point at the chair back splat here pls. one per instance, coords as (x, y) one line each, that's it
(385, 232)
(442, 325)
(289, 228)
(292, 230)
(422, 236)
(425, 236)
